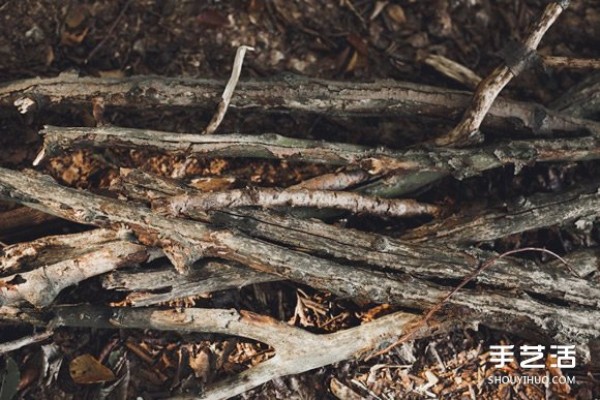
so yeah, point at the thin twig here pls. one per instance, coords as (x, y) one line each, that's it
(570, 62)
(453, 70)
(334, 181)
(270, 198)
(421, 323)
(467, 131)
(25, 341)
(110, 31)
(228, 92)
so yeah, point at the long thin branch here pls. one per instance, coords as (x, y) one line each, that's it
(187, 241)
(269, 198)
(296, 349)
(380, 251)
(489, 88)
(398, 99)
(410, 169)
(25, 341)
(534, 212)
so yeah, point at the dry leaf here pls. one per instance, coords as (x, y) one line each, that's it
(341, 391)
(72, 39)
(86, 370)
(396, 13)
(200, 363)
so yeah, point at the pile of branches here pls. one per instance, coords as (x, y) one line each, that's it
(245, 236)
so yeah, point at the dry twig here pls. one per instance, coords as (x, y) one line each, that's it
(467, 131)
(25, 341)
(269, 198)
(331, 98)
(228, 92)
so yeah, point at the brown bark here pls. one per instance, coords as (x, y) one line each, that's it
(194, 240)
(190, 204)
(467, 131)
(400, 99)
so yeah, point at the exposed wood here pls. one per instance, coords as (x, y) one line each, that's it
(294, 347)
(193, 240)
(59, 262)
(467, 131)
(189, 204)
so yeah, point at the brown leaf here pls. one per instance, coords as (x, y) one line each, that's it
(72, 39)
(86, 370)
(212, 19)
(200, 363)
(396, 13)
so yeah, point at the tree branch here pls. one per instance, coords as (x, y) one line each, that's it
(467, 131)
(534, 212)
(190, 204)
(400, 99)
(403, 171)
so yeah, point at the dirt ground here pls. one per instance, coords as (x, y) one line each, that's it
(354, 40)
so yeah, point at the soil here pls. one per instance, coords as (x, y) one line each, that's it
(352, 40)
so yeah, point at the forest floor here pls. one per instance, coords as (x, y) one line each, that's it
(350, 40)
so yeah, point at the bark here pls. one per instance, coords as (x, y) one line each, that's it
(467, 131)
(164, 284)
(295, 93)
(56, 263)
(296, 349)
(395, 173)
(386, 253)
(195, 240)
(582, 100)
(190, 204)
(534, 212)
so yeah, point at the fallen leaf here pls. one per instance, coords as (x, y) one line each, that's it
(200, 363)
(86, 370)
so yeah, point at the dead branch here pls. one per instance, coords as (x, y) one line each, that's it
(25, 341)
(467, 131)
(294, 347)
(453, 70)
(82, 256)
(188, 241)
(334, 181)
(269, 198)
(164, 284)
(228, 92)
(384, 252)
(534, 212)
(582, 100)
(21, 221)
(400, 99)
(407, 170)
(24, 257)
(570, 62)
(253, 146)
